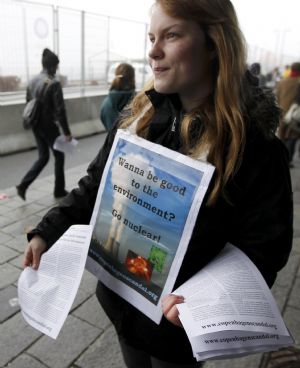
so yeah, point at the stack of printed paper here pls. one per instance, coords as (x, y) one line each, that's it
(229, 309)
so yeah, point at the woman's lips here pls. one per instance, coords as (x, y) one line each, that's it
(159, 70)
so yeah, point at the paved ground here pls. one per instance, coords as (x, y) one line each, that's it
(87, 339)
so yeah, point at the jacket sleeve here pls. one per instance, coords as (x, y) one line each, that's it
(60, 109)
(78, 206)
(263, 216)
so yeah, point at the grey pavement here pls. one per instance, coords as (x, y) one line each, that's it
(87, 339)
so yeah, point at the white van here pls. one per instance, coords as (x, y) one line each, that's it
(143, 73)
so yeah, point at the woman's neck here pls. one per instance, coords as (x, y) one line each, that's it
(192, 100)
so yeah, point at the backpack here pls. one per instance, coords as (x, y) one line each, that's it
(33, 108)
(292, 118)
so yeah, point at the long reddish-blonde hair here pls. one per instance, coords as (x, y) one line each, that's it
(222, 113)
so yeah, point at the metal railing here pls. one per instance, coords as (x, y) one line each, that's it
(87, 44)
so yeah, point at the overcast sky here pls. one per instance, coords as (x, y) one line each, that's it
(270, 24)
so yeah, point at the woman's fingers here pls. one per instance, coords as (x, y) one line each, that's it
(27, 261)
(170, 300)
(37, 253)
(33, 252)
(169, 308)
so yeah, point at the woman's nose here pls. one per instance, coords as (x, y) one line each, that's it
(156, 51)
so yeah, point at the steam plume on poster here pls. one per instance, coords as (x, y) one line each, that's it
(122, 176)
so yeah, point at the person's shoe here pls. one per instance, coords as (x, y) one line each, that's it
(21, 192)
(61, 194)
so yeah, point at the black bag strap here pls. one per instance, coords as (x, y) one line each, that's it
(40, 96)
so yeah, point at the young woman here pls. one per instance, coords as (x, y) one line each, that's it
(121, 92)
(203, 103)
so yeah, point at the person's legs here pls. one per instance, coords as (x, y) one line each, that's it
(156, 363)
(59, 161)
(292, 149)
(135, 358)
(37, 167)
(290, 145)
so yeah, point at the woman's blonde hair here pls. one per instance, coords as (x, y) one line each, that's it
(222, 114)
(124, 78)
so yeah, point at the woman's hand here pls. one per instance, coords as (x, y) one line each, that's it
(33, 251)
(169, 308)
(68, 138)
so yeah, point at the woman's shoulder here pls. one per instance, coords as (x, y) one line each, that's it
(264, 165)
(122, 91)
(262, 139)
(53, 84)
(261, 150)
(120, 96)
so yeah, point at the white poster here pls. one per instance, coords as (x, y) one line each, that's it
(145, 212)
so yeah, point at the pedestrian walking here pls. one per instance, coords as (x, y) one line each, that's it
(201, 83)
(121, 92)
(286, 72)
(272, 78)
(47, 88)
(255, 69)
(288, 92)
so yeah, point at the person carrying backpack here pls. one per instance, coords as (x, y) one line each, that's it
(48, 90)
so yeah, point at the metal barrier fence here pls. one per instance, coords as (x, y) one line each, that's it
(268, 59)
(88, 45)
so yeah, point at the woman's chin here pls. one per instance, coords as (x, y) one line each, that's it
(164, 89)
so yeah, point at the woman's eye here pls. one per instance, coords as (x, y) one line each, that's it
(171, 35)
(151, 39)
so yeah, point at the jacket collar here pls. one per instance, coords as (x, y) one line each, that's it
(260, 110)
(158, 99)
(165, 125)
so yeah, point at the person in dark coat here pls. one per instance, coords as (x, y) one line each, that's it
(120, 94)
(203, 103)
(47, 130)
(255, 69)
(288, 92)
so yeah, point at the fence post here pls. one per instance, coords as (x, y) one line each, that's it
(55, 30)
(107, 49)
(82, 84)
(25, 43)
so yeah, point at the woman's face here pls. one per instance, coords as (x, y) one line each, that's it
(179, 58)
